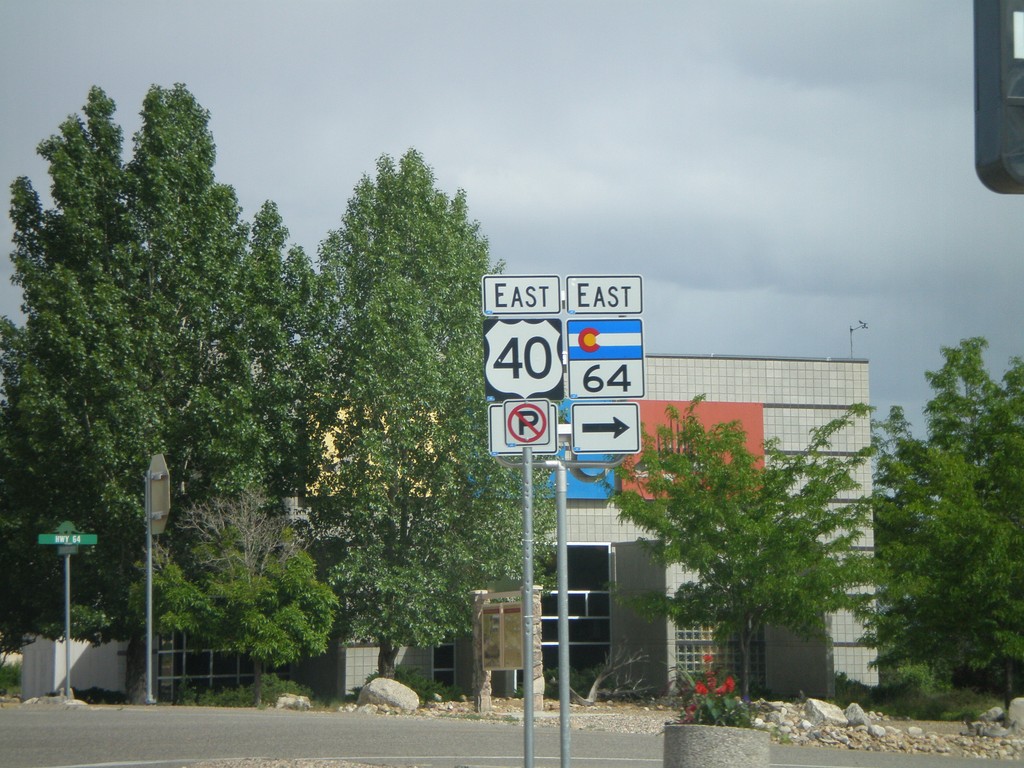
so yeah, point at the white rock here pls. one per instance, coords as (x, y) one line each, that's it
(877, 731)
(1015, 716)
(914, 731)
(292, 701)
(855, 715)
(389, 693)
(822, 713)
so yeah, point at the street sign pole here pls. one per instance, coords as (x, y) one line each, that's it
(67, 624)
(527, 607)
(158, 506)
(68, 539)
(523, 360)
(149, 596)
(562, 577)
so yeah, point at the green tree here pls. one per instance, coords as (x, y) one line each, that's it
(951, 527)
(413, 512)
(139, 337)
(763, 538)
(245, 585)
(287, 315)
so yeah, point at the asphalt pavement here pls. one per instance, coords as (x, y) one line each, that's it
(157, 736)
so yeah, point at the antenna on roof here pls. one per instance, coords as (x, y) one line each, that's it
(861, 324)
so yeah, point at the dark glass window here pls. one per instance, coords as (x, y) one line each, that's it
(599, 604)
(588, 566)
(588, 607)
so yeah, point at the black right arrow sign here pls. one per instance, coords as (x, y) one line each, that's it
(605, 428)
(615, 426)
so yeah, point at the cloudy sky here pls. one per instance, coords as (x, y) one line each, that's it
(777, 170)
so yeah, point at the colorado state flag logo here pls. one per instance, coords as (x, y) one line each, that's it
(605, 339)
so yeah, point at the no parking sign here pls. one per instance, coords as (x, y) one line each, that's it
(518, 424)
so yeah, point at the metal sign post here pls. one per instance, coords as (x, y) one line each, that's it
(528, 607)
(67, 540)
(67, 622)
(523, 360)
(158, 507)
(562, 578)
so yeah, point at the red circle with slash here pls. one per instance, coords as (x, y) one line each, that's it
(527, 423)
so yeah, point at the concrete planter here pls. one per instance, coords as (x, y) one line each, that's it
(713, 746)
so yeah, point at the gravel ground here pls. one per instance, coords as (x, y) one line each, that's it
(262, 763)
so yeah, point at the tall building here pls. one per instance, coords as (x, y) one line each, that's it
(780, 398)
(774, 398)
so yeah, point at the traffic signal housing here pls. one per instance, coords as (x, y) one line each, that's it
(999, 94)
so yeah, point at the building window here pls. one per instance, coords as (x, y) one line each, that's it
(693, 644)
(589, 573)
(444, 664)
(182, 667)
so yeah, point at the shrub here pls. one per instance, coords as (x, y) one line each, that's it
(101, 696)
(849, 691)
(706, 701)
(424, 686)
(10, 677)
(915, 691)
(273, 686)
(912, 679)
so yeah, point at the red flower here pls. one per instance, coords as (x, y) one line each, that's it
(701, 689)
(708, 658)
(730, 685)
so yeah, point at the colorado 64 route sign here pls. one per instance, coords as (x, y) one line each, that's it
(523, 359)
(606, 358)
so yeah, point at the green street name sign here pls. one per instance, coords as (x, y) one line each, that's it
(84, 539)
(66, 535)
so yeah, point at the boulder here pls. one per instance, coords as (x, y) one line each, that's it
(383, 692)
(855, 715)
(1015, 716)
(292, 701)
(994, 731)
(822, 713)
(994, 715)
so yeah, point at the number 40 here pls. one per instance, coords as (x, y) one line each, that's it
(536, 358)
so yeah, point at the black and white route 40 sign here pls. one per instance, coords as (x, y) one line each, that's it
(517, 424)
(523, 359)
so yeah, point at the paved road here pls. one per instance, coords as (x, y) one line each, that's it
(154, 737)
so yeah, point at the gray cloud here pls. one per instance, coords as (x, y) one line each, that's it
(776, 171)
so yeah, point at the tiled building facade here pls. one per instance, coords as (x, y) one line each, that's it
(789, 398)
(775, 398)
